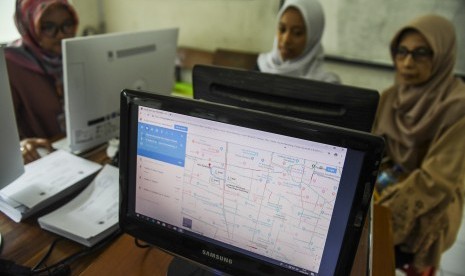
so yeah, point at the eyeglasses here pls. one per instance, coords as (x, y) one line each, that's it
(418, 54)
(50, 29)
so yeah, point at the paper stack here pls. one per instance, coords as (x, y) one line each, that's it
(44, 182)
(92, 215)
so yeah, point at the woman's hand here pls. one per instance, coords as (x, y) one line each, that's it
(29, 148)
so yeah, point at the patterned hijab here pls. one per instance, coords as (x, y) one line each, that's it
(310, 63)
(26, 51)
(411, 117)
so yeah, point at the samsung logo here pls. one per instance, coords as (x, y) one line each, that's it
(217, 257)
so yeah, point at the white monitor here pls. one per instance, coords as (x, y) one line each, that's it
(97, 68)
(11, 160)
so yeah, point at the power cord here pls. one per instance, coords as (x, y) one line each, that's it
(139, 244)
(61, 267)
(47, 254)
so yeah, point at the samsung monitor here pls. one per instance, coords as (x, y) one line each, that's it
(97, 68)
(335, 104)
(243, 192)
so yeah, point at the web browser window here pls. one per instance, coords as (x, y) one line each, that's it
(270, 195)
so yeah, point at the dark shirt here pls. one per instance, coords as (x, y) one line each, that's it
(38, 108)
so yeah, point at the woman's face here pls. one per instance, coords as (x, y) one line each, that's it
(292, 34)
(413, 59)
(56, 24)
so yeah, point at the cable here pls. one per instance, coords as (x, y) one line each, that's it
(62, 266)
(47, 254)
(138, 244)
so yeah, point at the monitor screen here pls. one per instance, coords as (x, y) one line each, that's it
(11, 160)
(243, 192)
(335, 104)
(97, 68)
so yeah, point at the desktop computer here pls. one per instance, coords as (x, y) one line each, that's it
(334, 104)
(11, 160)
(97, 68)
(243, 192)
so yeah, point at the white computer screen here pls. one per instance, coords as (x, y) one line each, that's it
(97, 68)
(268, 194)
(243, 191)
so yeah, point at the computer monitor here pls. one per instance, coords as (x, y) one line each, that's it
(97, 68)
(335, 104)
(240, 191)
(11, 160)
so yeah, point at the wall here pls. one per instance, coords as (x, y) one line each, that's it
(88, 11)
(8, 29)
(247, 25)
(362, 29)
(206, 24)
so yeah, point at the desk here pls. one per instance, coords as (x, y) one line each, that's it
(25, 243)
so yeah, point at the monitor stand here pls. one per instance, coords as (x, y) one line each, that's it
(181, 267)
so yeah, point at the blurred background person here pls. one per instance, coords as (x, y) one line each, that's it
(34, 64)
(422, 118)
(297, 49)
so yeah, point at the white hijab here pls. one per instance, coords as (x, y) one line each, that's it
(310, 63)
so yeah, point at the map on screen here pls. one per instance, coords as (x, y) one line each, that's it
(268, 194)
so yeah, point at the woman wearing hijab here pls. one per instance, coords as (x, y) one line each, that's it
(422, 118)
(297, 49)
(34, 64)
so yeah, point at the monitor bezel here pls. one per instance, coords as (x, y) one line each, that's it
(334, 104)
(185, 246)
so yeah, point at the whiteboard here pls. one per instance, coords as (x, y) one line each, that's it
(361, 30)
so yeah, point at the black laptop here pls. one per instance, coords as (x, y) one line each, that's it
(243, 192)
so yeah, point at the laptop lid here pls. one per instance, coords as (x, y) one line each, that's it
(241, 191)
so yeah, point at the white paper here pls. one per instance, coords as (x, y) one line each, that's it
(93, 211)
(48, 176)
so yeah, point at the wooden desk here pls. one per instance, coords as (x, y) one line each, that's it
(383, 249)
(26, 243)
(123, 257)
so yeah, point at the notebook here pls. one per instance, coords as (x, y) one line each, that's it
(241, 191)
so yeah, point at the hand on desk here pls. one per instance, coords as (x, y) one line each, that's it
(33, 148)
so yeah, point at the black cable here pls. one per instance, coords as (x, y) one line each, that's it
(138, 244)
(47, 254)
(63, 264)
